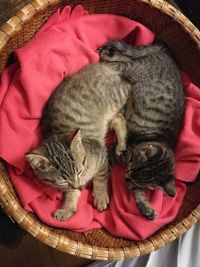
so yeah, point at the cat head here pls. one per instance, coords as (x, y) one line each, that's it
(151, 165)
(59, 163)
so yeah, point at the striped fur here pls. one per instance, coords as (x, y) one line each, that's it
(153, 113)
(88, 102)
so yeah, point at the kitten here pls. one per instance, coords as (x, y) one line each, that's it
(153, 113)
(75, 121)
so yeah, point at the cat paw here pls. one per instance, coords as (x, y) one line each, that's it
(148, 212)
(120, 148)
(64, 214)
(101, 201)
(108, 50)
(151, 214)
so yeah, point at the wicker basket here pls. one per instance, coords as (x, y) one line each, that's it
(183, 38)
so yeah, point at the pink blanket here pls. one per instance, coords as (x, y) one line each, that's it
(64, 45)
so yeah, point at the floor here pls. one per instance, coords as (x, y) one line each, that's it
(30, 252)
(9, 8)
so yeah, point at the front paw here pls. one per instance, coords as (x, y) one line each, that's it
(108, 50)
(148, 212)
(120, 148)
(101, 201)
(64, 214)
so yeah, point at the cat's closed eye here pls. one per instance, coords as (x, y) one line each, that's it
(80, 172)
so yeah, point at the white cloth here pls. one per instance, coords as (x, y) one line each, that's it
(184, 252)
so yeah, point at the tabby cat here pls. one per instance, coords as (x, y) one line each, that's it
(75, 121)
(153, 114)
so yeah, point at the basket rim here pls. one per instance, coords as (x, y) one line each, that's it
(16, 22)
(11, 204)
(42, 232)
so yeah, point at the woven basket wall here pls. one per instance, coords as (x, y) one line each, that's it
(172, 27)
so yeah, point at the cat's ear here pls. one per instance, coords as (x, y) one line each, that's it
(38, 160)
(169, 188)
(77, 148)
(149, 152)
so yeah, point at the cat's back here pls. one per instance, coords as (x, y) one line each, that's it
(85, 101)
(159, 65)
(158, 96)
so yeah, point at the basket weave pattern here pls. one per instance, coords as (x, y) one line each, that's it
(172, 27)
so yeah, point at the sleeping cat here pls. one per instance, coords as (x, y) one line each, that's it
(153, 114)
(74, 124)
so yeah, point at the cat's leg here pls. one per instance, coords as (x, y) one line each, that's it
(100, 184)
(100, 192)
(118, 123)
(69, 206)
(143, 204)
(123, 52)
